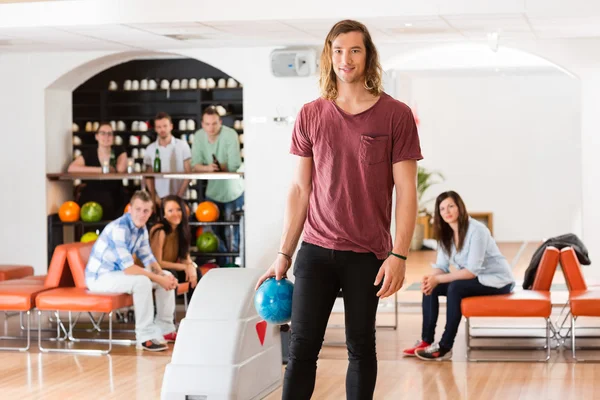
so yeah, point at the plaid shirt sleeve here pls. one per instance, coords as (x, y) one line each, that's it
(144, 251)
(120, 237)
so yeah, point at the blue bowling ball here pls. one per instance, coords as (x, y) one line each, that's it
(273, 301)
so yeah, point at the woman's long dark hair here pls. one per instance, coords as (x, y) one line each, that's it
(183, 229)
(442, 231)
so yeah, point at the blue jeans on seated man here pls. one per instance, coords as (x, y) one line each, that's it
(228, 244)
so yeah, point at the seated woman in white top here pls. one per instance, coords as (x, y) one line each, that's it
(480, 270)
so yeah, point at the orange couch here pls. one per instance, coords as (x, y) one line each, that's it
(8, 272)
(584, 301)
(535, 303)
(20, 295)
(77, 298)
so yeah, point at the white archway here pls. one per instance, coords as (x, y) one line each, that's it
(81, 73)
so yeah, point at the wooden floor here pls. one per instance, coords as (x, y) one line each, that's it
(131, 374)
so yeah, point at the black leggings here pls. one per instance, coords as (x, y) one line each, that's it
(320, 273)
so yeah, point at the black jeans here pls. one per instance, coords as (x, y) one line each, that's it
(454, 292)
(320, 273)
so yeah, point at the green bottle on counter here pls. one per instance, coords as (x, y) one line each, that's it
(157, 161)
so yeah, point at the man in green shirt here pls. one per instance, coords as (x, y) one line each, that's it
(221, 142)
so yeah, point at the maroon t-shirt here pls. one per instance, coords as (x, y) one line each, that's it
(350, 204)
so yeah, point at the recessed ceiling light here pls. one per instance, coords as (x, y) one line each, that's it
(408, 24)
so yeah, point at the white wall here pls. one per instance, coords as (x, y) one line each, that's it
(22, 155)
(507, 144)
(59, 145)
(590, 160)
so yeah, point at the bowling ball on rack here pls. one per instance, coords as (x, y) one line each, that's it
(91, 212)
(206, 267)
(207, 242)
(207, 211)
(69, 212)
(89, 237)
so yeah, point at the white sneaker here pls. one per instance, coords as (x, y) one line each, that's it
(151, 345)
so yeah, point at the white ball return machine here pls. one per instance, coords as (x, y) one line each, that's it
(224, 350)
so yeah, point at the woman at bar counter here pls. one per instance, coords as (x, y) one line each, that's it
(108, 193)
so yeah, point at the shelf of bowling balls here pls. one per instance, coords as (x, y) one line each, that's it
(148, 116)
(139, 175)
(191, 223)
(217, 102)
(135, 133)
(88, 146)
(82, 223)
(194, 252)
(216, 223)
(159, 90)
(143, 103)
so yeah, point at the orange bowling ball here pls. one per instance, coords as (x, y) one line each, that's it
(206, 267)
(69, 212)
(199, 231)
(126, 208)
(207, 211)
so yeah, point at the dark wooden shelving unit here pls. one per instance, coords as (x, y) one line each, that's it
(93, 102)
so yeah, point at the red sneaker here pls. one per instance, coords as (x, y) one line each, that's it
(418, 346)
(170, 337)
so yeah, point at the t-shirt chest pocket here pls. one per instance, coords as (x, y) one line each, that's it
(373, 149)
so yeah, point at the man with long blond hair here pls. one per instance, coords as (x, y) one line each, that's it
(355, 143)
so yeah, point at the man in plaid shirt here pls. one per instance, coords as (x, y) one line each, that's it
(111, 269)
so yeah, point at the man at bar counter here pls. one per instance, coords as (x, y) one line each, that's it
(216, 148)
(175, 155)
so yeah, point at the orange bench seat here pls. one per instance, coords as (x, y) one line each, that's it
(183, 287)
(585, 303)
(22, 282)
(527, 303)
(19, 293)
(535, 303)
(81, 300)
(8, 272)
(19, 297)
